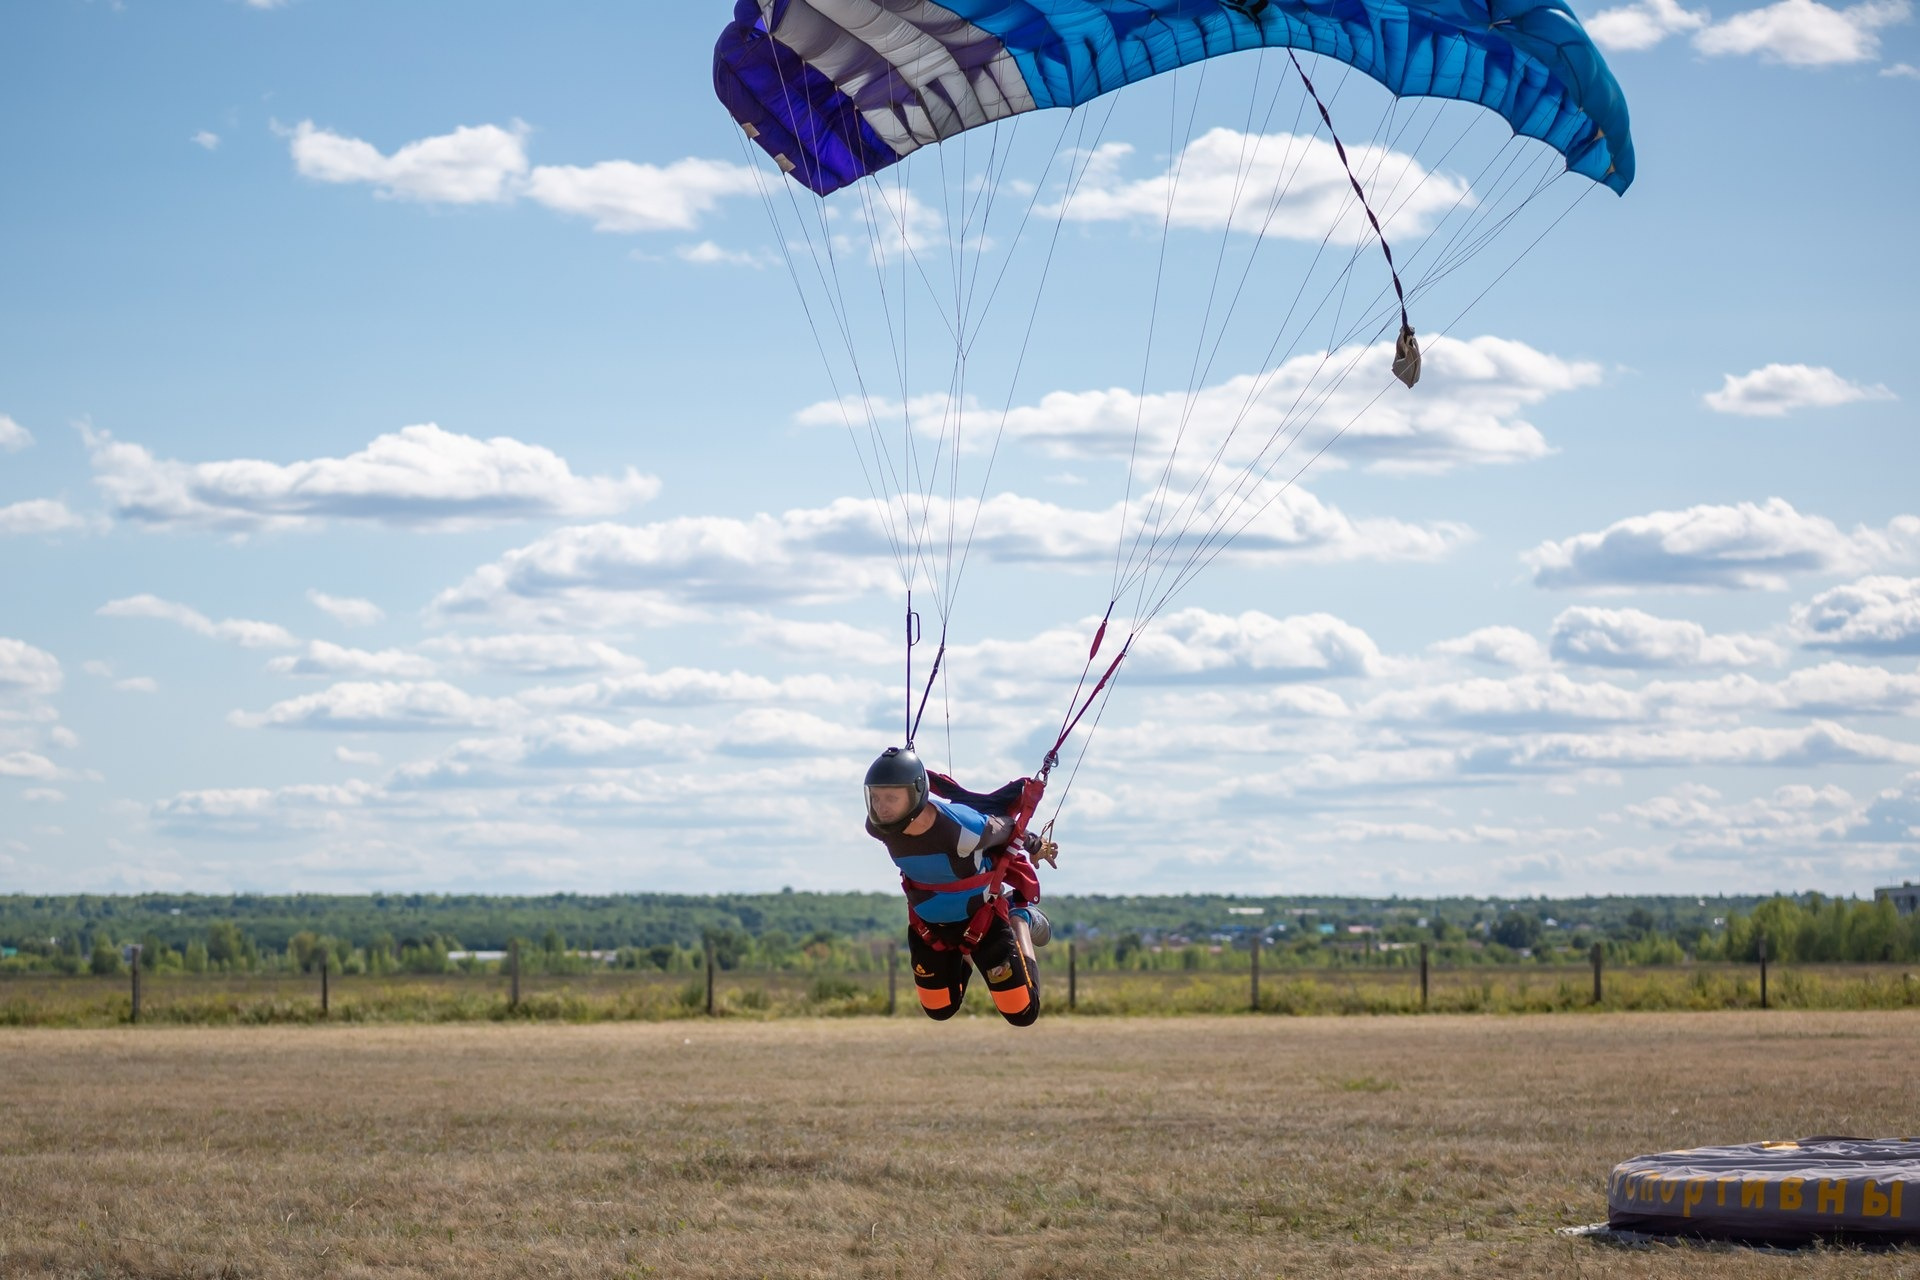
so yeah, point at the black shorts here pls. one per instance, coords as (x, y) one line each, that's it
(940, 977)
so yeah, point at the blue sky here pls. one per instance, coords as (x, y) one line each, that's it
(417, 470)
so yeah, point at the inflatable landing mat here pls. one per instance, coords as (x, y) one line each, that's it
(1865, 1189)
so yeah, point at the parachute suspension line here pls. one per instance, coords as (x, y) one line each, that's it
(1271, 367)
(1074, 717)
(1283, 187)
(1550, 177)
(896, 337)
(913, 722)
(1198, 562)
(813, 327)
(1220, 547)
(1074, 179)
(1196, 500)
(1086, 741)
(836, 301)
(1177, 155)
(1406, 356)
(973, 227)
(1242, 173)
(1229, 501)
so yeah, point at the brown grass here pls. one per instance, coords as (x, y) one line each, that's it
(1189, 1147)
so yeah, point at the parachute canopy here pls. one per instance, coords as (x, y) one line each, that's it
(835, 90)
(1774, 1192)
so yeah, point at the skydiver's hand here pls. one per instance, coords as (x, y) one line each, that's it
(1042, 850)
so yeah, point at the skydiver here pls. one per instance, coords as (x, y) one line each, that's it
(933, 842)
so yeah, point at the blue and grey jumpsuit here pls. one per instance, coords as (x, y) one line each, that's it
(953, 849)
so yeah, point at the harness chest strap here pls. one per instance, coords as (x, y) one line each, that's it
(993, 879)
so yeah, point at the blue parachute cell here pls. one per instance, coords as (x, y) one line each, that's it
(835, 90)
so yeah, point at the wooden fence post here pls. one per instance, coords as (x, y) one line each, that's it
(1598, 955)
(1763, 971)
(893, 975)
(1423, 977)
(136, 984)
(1073, 975)
(710, 967)
(513, 967)
(326, 1001)
(1255, 984)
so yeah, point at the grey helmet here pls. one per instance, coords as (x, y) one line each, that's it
(897, 767)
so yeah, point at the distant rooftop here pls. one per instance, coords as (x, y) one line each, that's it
(1905, 897)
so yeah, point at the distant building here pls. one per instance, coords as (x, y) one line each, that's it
(1905, 897)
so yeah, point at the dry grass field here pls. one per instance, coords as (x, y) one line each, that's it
(1179, 1147)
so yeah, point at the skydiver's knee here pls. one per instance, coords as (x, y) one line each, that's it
(1018, 1005)
(938, 1003)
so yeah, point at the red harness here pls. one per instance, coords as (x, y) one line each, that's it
(1006, 864)
(1011, 862)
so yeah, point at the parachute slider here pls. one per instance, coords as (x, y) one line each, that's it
(1406, 356)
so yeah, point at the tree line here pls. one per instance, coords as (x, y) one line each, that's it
(424, 933)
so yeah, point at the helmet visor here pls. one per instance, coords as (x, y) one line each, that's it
(889, 804)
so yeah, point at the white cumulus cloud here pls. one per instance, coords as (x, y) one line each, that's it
(1744, 546)
(324, 659)
(1778, 389)
(1805, 33)
(1522, 703)
(1629, 638)
(427, 706)
(706, 253)
(241, 631)
(1469, 410)
(1873, 615)
(486, 164)
(619, 195)
(1497, 647)
(1642, 25)
(27, 670)
(1229, 178)
(39, 515)
(206, 139)
(259, 812)
(1893, 816)
(13, 436)
(1821, 743)
(472, 165)
(348, 611)
(692, 686)
(418, 477)
(534, 654)
(603, 572)
(28, 764)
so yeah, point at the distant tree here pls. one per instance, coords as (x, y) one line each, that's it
(106, 956)
(1518, 930)
(230, 948)
(1640, 923)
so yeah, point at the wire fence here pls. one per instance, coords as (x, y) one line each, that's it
(1068, 986)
